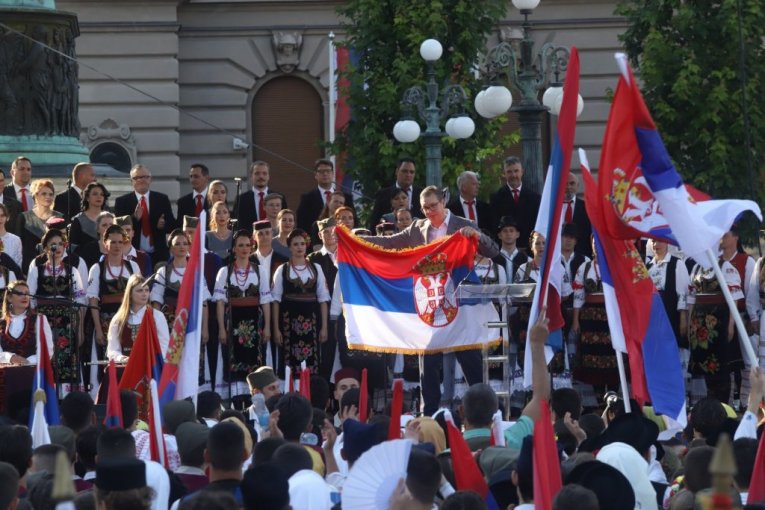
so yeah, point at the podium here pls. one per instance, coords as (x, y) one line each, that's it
(501, 294)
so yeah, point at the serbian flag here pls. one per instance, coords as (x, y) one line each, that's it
(637, 320)
(44, 397)
(113, 418)
(405, 301)
(646, 193)
(145, 363)
(180, 373)
(549, 219)
(467, 474)
(547, 477)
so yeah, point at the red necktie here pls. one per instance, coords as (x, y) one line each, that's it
(515, 196)
(145, 223)
(569, 211)
(327, 196)
(199, 206)
(24, 201)
(471, 210)
(261, 206)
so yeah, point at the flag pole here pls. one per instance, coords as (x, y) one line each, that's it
(742, 334)
(623, 381)
(332, 95)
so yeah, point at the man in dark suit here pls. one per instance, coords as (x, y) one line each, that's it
(574, 211)
(439, 222)
(513, 199)
(8, 199)
(250, 205)
(18, 189)
(467, 205)
(312, 202)
(69, 201)
(404, 180)
(192, 204)
(151, 212)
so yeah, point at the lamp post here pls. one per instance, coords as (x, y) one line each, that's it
(527, 73)
(426, 105)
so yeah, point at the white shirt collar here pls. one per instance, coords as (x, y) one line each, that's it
(257, 191)
(331, 189)
(138, 196)
(195, 193)
(518, 188)
(19, 316)
(16, 187)
(263, 257)
(78, 190)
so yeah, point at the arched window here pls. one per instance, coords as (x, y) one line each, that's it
(113, 154)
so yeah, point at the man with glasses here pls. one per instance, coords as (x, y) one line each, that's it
(151, 212)
(312, 202)
(192, 204)
(439, 222)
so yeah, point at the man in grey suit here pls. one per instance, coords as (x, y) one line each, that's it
(439, 222)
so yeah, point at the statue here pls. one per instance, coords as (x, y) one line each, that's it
(287, 50)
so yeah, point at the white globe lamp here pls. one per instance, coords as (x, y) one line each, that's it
(463, 127)
(497, 99)
(406, 131)
(431, 50)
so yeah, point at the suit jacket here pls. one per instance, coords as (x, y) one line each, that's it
(311, 205)
(159, 204)
(14, 210)
(483, 209)
(247, 214)
(416, 234)
(187, 207)
(525, 211)
(70, 206)
(327, 266)
(583, 228)
(382, 203)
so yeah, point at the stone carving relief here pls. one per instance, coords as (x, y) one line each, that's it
(111, 131)
(286, 46)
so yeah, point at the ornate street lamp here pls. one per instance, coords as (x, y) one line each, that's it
(529, 74)
(425, 103)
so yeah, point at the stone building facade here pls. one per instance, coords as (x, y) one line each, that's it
(212, 71)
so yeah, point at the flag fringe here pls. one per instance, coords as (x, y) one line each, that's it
(395, 350)
(389, 251)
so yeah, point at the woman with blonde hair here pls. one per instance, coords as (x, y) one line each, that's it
(216, 192)
(286, 221)
(32, 223)
(126, 322)
(220, 236)
(19, 327)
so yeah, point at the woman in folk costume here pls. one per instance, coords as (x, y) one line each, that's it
(52, 277)
(31, 224)
(107, 281)
(244, 317)
(596, 359)
(19, 327)
(125, 324)
(711, 332)
(301, 298)
(671, 279)
(164, 293)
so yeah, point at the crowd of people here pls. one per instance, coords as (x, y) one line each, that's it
(272, 305)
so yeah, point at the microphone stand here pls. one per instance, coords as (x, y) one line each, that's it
(229, 325)
(238, 182)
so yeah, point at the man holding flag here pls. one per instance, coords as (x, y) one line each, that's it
(438, 224)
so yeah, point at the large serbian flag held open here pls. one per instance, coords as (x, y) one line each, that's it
(405, 301)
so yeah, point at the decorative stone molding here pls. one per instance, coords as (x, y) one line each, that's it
(286, 46)
(111, 131)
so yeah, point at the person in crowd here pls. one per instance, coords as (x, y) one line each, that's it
(83, 229)
(19, 188)
(571, 260)
(295, 415)
(423, 479)
(151, 212)
(209, 408)
(325, 258)
(192, 204)
(440, 222)
(13, 207)
(76, 411)
(217, 192)
(344, 216)
(9, 270)
(398, 200)
(164, 293)
(300, 306)
(11, 243)
(286, 222)
(596, 363)
(20, 327)
(220, 236)
(107, 281)
(69, 202)
(32, 222)
(192, 441)
(264, 381)
(467, 205)
(711, 329)
(124, 326)
(513, 199)
(336, 200)
(403, 218)
(244, 320)
(575, 211)
(405, 174)
(121, 483)
(251, 206)
(266, 486)
(92, 252)
(510, 256)
(671, 278)
(274, 203)
(313, 202)
(129, 252)
(16, 450)
(59, 290)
